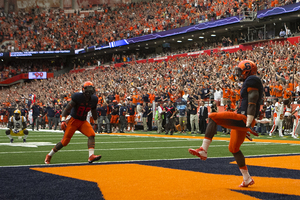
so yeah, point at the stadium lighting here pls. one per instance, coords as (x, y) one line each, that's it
(201, 37)
(190, 39)
(179, 41)
(279, 18)
(213, 35)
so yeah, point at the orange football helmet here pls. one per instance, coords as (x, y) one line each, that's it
(244, 69)
(88, 88)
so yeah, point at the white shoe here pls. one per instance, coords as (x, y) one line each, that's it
(270, 134)
(295, 136)
(281, 135)
(246, 183)
(201, 153)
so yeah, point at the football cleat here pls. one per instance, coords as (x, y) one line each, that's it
(246, 183)
(295, 136)
(48, 159)
(11, 140)
(24, 140)
(93, 158)
(201, 153)
(270, 134)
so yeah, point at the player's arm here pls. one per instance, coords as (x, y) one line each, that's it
(253, 96)
(94, 115)
(67, 110)
(10, 124)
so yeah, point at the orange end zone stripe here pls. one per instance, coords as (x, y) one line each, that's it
(202, 137)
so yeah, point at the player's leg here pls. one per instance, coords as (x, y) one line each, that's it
(297, 129)
(211, 130)
(72, 126)
(226, 119)
(294, 121)
(236, 140)
(100, 124)
(280, 122)
(88, 131)
(7, 132)
(25, 131)
(273, 127)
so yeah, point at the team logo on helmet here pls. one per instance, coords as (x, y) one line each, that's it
(245, 68)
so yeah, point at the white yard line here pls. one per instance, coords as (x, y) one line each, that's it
(124, 149)
(133, 161)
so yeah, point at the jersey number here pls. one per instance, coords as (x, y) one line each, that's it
(82, 110)
(18, 125)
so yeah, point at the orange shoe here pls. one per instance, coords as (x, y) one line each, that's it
(48, 159)
(93, 158)
(246, 183)
(201, 153)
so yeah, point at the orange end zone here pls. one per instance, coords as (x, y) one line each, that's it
(134, 181)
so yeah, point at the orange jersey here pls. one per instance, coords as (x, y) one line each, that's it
(226, 93)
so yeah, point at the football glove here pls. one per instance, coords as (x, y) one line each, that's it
(63, 125)
(252, 131)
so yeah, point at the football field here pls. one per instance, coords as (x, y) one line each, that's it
(146, 166)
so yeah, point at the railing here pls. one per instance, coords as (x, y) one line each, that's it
(247, 16)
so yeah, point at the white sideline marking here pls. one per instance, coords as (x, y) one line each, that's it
(122, 149)
(126, 161)
(27, 144)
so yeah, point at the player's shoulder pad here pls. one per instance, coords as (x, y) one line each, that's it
(94, 98)
(253, 81)
(11, 119)
(76, 96)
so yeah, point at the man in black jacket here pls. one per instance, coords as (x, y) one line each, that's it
(35, 114)
(203, 115)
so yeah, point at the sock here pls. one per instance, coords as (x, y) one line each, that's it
(51, 152)
(9, 136)
(245, 173)
(91, 151)
(25, 137)
(205, 144)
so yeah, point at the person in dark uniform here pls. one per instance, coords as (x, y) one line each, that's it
(57, 113)
(80, 104)
(114, 121)
(170, 118)
(35, 114)
(123, 112)
(50, 115)
(102, 116)
(203, 115)
(241, 122)
(131, 118)
(150, 117)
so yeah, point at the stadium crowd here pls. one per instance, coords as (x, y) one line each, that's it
(196, 80)
(56, 30)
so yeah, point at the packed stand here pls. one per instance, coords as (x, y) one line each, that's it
(181, 87)
(56, 30)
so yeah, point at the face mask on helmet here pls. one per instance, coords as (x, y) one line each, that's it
(89, 91)
(238, 74)
(17, 116)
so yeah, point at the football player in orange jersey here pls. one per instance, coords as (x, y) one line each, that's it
(239, 123)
